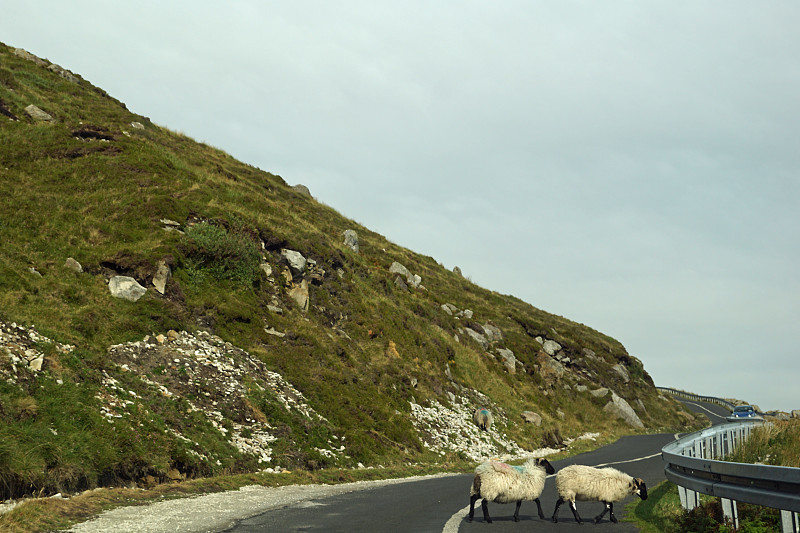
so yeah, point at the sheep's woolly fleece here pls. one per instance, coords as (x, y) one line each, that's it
(586, 483)
(503, 483)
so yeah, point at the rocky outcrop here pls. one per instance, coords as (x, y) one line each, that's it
(621, 409)
(38, 115)
(411, 280)
(351, 240)
(126, 287)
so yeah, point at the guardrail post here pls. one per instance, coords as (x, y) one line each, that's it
(689, 498)
(789, 522)
(730, 511)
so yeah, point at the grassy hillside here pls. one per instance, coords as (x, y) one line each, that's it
(224, 372)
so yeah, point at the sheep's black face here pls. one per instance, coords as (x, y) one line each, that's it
(544, 463)
(641, 488)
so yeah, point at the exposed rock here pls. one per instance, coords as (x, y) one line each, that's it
(274, 332)
(599, 393)
(398, 268)
(477, 337)
(509, 360)
(532, 418)
(126, 288)
(36, 364)
(302, 189)
(34, 272)
(137, 125)
(492, 332)
(796, 413)
(163, 273)
(415, 281)
(551, 347)
(449, 309)
(621, 409)
(64, 73)
(398, 281)
(275, 309)
(24, 54)
(351, 239)
(581, 388)
(37, 114)
(549, 367)
(466, 313)
(72, 264)
(457, 271)
(266, 268)
(295, 261)
(622, 372)
(299, 293)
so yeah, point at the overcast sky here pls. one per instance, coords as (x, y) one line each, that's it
(633, 166)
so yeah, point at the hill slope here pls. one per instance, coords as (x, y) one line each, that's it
(263, 340)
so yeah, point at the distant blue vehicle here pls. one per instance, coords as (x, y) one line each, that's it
(743, 412)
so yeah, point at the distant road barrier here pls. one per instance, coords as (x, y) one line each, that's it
(691, 463)
(697, 397)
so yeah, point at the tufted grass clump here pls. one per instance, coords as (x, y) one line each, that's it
(214, 251)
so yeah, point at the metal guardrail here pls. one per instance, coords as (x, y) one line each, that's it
(691, 463)
(697, 397)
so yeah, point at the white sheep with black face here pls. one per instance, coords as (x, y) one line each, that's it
(503, 483)
(587, 483)
(482, 418)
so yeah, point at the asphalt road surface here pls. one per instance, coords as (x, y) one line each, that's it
(441, 505)
(436, 504)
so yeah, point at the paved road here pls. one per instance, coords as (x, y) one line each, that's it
(440, 505)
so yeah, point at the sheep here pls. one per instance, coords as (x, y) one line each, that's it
(502, 483)
(587, 483)
(482, 418)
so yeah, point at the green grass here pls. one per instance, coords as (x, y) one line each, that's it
(102, 202)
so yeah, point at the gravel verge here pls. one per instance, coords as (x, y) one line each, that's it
(219, 511)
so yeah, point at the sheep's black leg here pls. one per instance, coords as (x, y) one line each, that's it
(555, 511)
(485, 507)
(516, 511)
(609, 508)
(472, 500)
(575, 512)
(539, 506)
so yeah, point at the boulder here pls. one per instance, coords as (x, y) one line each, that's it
(796, 413)
(621, 409)
(492, 332)
(161, 277)
(532, 418)
(599, 393)
(449, 309)
(477, 337)
(457, 271)
(398, 281)
(622, 372)
(351, 239)
(24, 54)
(302, 189)
(508, 359)
(397, 268)
(295, 261)
(126, 288)
(551, 347)
(466, 313)
(72, 264)
(299, 293)
(37, 114)
(414, 281)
